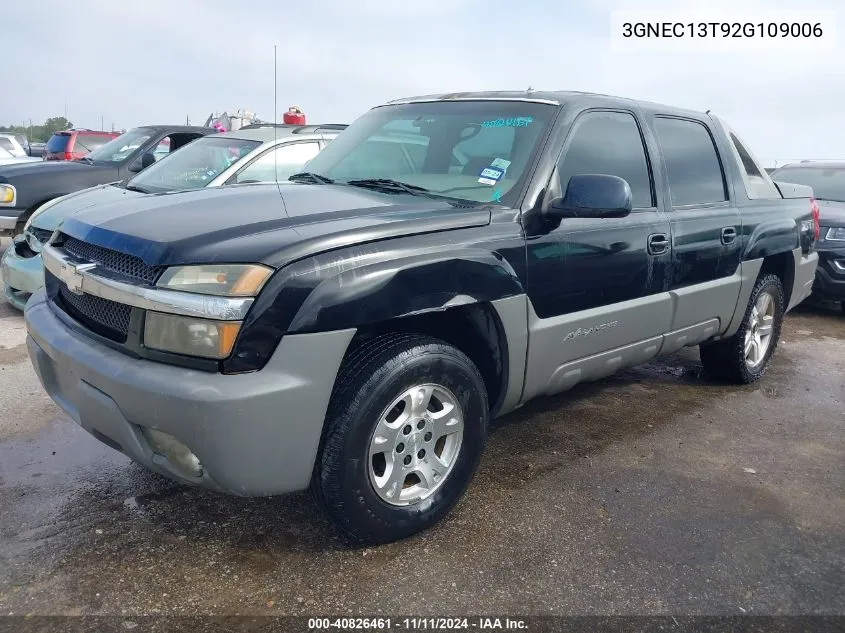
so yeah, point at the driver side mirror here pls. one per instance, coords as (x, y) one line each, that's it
(593, 196)
(145, 161)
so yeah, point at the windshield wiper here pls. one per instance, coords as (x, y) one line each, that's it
(311, 177)
(136, 188)
(85, 159)
(390, 185)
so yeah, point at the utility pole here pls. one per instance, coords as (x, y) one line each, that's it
(102, 122)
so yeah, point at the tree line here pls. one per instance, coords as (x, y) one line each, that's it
(39, 133)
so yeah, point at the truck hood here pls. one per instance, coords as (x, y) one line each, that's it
(831, 213)
(73, 203)
(47, 168)
(45, 180)
(253, 223)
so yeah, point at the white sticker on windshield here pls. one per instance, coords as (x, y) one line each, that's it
(490, 175)
(501, 163)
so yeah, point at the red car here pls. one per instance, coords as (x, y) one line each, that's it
(71, 144)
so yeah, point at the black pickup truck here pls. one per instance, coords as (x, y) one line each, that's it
(26, 186)
(443, 261)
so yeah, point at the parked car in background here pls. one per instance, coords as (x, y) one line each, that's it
(354, 331)
(24, 188)
(7, 158)
(259, 153)
(36, 149)
(828, 182)
(15, 144)
(71, 144)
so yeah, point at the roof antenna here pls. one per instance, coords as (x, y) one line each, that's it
(530, 89)
(707, 112)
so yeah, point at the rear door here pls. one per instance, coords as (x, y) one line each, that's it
(705, 223)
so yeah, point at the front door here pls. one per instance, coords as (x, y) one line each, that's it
(597, 286)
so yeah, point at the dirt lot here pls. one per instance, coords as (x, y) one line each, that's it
(657, 491)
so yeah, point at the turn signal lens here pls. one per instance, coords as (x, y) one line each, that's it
(224, 280)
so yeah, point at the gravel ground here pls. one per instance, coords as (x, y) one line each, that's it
(656, 491)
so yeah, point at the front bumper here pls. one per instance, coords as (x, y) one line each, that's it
(22, 276)
(9, 218)
(830, 276)
(255, 434)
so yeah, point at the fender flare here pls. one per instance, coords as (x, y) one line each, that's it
(407, 286)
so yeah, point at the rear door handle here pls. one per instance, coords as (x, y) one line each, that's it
(728, 235)
(658, 244)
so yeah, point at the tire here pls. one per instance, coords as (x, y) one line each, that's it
(353, 481)
(730, 359)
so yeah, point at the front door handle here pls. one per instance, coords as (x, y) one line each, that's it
(658, 244)
(728, 235)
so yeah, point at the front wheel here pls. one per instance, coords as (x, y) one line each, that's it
(745, 356)
(404, 433)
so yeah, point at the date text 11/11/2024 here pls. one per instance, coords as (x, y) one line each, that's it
(416, 624)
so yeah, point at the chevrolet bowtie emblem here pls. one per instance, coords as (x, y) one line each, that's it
(71, 275)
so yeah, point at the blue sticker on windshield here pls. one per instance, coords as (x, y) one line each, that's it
(519, 121)
(490, 175)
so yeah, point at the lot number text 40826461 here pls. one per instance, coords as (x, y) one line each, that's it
(417, 624)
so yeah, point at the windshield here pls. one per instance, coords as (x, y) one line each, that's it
(827, 184)
(193, 166)
(118, 149)
(469, 150)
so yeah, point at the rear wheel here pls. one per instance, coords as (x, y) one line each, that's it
(403, 436)
(745, 356)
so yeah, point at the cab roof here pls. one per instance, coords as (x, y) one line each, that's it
(551, 97)
(265, 132)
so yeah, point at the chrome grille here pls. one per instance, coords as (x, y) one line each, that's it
(106, 318)
(115, 261)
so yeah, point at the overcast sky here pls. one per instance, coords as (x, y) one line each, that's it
(156, 61)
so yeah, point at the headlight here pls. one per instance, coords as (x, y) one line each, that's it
(7, 195)
(223, 280)
(189, 335)
(835, 235)
(39, 211)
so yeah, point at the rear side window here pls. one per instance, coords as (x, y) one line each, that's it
(695, 173)
(58, 142)
(89, 142)
(608, 143)
(757, 182)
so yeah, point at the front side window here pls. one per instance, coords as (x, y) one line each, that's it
(695, 173)
(608, 143)
(120, 148)
(827, 183)
(466, 150)
(278, 164)
(193, 166)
